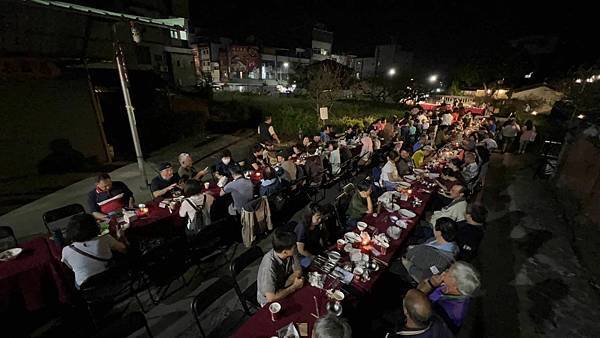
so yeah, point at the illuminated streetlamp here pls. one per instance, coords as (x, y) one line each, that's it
(580, 116)
(392, 72)
(286, 64)
(433, 78)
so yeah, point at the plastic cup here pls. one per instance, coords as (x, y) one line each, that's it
(206, 185)
(275, 309)
(340, 244)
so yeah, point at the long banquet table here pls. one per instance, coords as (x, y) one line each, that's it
(299, 306)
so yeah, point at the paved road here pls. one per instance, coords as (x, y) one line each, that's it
(533, 284)
(27, 220)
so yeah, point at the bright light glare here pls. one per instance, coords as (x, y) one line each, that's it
(433, 78)
(392, 72)
(286, 64)
(534, 113)
(580, 116)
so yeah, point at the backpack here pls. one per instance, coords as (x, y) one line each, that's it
(200, 220)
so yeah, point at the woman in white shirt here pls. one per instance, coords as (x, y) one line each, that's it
(334, 158)
(195, 202)
(389, 173)
(89, 254)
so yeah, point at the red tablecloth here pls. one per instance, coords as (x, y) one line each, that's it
(382, 222)
(35, 279)
(296, 308)
(213, 190)
(432, 106)
(159, 221)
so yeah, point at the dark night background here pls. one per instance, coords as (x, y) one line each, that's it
(444, 35)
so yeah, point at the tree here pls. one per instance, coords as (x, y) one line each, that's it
(394, 89)
(325, 81)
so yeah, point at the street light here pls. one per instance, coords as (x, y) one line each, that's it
(286, 64)
(433, 78)
(392, 72)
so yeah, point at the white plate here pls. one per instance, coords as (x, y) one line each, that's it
(418, 171)
(361, 226)
(410, 177)
(351, 237)
(404, 184)
(433, 175)
(10, 254)
(407, 213)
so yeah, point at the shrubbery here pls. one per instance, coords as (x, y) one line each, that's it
(292, 113)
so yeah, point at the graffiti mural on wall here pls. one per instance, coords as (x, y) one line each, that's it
(244, 58)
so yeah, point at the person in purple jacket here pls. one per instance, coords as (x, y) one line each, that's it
(450, 292)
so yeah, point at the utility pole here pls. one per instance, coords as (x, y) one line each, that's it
(124, 79)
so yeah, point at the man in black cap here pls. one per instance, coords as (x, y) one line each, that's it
(164, 183)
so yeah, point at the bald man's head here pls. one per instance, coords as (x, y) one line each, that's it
(417, 307)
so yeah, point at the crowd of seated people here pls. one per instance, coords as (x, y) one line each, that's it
(435, 267)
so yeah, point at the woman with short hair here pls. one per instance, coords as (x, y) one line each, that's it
(89, 253)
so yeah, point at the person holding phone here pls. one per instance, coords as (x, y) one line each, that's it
(164, 184)
(186, 168)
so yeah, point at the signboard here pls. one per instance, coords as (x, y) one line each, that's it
(323, 111)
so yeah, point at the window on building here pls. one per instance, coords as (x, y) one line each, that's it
(316, 51)
(323, 51)
(179, 35)
(178, 63)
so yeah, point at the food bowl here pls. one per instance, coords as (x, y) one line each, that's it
(333, 256)
(361, 226)
(10, 254)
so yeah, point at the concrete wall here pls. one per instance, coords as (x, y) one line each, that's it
(580, 174)
(37, 111)
(184, 72)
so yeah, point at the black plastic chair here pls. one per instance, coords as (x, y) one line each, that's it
(342, 201)
(56, 220)
(103, 291)
(7, 232)
(165, 264)
(208, 296)
(124, 326)
(248, 295)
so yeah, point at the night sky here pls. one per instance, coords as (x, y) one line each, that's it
(442, 34)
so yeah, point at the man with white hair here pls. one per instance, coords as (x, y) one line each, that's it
(186, 168)
(451, 291)
(331, 326)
